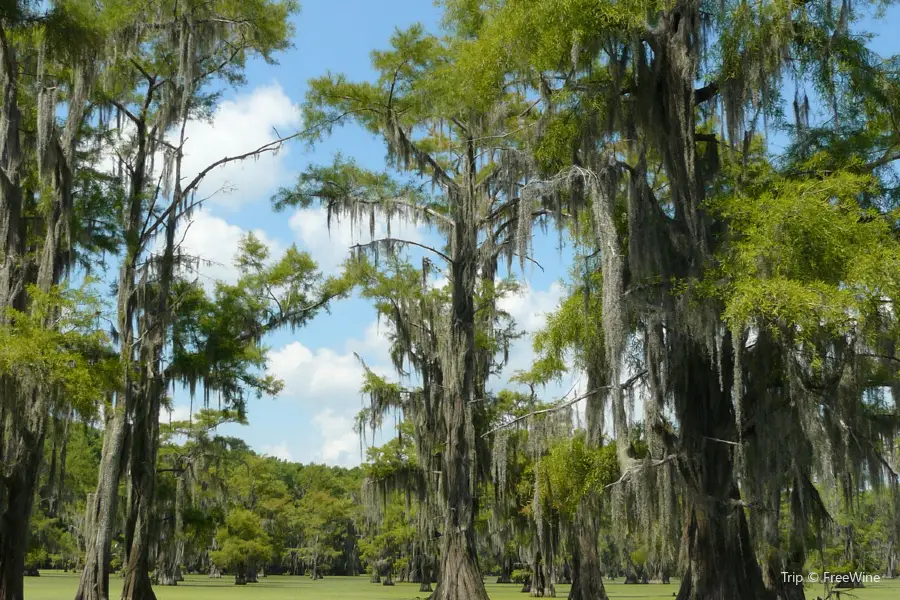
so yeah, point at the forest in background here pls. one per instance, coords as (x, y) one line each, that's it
(224, 510)
(730, 306)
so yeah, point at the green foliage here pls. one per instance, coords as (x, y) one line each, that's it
(217, 337)
(571, 471)
(394, 535)
(806, 257)
(50, 545)
(243, 543)
(57, 343)
(571, 328)
(520, 575)
(398, 454)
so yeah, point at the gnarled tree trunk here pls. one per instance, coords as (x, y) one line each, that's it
(587, 583)
(721, 560)
(460, 576)
(101, 510)
(18, 494)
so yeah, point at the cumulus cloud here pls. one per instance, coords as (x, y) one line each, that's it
(215, 242)
(529, 308)
(279, 451)
(239, 126)
(236, 127)
(322, 374)
(178, 413)
(330, 247)
(341, 446)
(329, 382)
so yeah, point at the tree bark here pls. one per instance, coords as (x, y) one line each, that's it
(460, 577)
(18, 493)
(168, 563)
(101, 510)
(506, 569)
(721, 561)
(425, 570)
(145, 441)
(587, 582)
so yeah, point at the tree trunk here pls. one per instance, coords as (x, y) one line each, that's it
(144, 444)
(587, 583)
(26, 405)
(721, 561)
(460, 577)
(548, 577)
(775, 565)
(145, 436)
(101, 510)
(180, 494)
(56, 470)
(506, 569)
(425, 566)
(537, 578)
(19, 490)
(168, 564)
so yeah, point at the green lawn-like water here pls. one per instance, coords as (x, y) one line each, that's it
(61, 586)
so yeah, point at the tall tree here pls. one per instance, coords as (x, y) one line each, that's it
(47, 68)
(654, 111)
(433, 125)
(168, 54)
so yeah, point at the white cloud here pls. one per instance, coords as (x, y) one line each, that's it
(341, 446)
(215, 241)
(236, 127)
(331, 246)
(321, 377)
(279, 451)
(530, 307)
(178, 413)
(239, 126)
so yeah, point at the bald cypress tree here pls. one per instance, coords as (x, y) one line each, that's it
(440, 125)
(46, 69)
(163, 55)
(751, 337)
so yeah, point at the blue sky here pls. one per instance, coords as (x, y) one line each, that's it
(312, 418)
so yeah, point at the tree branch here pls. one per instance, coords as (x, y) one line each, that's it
(410, 205)
(706, 93)
(640, 466)
(421, 156)
(269, 147)
(399, 241)
(630, 382)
